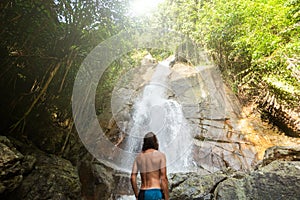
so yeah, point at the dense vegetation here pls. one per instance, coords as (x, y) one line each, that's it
(42, 46)
(255, 43)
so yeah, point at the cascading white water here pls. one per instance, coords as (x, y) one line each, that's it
(152, 111)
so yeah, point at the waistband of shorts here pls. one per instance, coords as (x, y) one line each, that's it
(151, 189)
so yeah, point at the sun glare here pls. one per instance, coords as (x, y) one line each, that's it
(143, 7)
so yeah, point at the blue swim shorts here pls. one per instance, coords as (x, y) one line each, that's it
(150, 194)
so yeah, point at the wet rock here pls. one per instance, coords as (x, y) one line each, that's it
(126, 91)
(122, 186)
(213, 113)
(13, 166)
(278, 180)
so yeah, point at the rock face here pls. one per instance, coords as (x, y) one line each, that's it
(214, 112)
(36, 175)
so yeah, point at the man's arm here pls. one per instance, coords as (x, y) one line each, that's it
(164, 179)
(133, 179)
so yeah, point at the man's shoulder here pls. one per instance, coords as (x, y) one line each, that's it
(159, 154)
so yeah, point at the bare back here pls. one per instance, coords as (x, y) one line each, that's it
(150, 164)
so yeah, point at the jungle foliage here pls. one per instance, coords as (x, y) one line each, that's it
(256, 43)
(43, 42)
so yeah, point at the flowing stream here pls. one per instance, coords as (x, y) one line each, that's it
(153, 111)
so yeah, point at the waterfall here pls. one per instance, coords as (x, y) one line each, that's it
(153, 111)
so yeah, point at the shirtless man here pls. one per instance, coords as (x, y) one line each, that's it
(151, 164)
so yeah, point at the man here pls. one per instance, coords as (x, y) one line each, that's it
(151, 164)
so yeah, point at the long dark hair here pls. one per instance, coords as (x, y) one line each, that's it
(150, 142)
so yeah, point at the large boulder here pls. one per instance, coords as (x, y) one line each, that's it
(36, 175)
(193, 185)
(52, 178)
(278, 180)
(13, 166)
